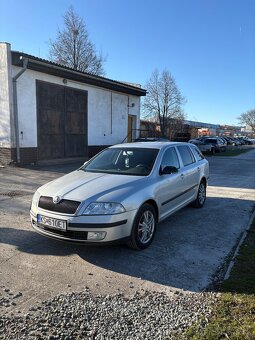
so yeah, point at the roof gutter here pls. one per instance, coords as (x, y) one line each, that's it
(15, 106)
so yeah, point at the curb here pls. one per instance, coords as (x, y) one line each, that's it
(232, 262)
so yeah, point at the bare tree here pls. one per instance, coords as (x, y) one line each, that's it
(163, 101)
(248, 118)
(73, 47)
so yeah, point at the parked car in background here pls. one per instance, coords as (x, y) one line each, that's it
(240, 140)
(151, 139)
(228, 140)
(203, 147)
(223, 140)
(216, 142)
(121, 194)
(245, 140)
(234, 141)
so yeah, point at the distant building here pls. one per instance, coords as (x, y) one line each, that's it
(229, 130)
(179, 130)
(202, 129)
(247, 131)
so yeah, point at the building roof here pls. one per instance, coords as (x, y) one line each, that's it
(201, 125)
(65, 72)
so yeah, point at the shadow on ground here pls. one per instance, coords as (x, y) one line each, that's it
(187, 250)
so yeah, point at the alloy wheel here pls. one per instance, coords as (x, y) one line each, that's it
(146, 227)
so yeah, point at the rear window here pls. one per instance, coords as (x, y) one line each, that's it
(212, 141)
(198, 153)
(186, 155)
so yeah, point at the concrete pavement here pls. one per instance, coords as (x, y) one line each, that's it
(189, 247)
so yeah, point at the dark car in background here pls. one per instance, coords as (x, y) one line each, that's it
(151, 139)
(234, 141)
(246, 140)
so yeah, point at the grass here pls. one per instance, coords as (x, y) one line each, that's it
(234, 314)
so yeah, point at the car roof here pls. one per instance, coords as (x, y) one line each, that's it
(149, 145)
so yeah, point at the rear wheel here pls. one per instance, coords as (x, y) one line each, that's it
(144, 228)
(201, 195)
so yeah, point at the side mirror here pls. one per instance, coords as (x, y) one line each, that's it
(168, 170)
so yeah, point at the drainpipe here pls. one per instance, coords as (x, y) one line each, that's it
(15, 106)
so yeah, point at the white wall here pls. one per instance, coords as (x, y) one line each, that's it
(107, 111)
(5, 97)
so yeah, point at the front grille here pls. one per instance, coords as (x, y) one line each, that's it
(64, 206)
(78, 235)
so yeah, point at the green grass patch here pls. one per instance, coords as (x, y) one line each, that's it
(234, 314)
(233, 151)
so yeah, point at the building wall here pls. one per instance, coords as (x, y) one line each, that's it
(107, 111)
(6, 138)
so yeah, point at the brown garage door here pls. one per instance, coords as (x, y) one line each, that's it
(61, 121)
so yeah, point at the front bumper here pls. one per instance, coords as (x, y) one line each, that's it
(114, 227)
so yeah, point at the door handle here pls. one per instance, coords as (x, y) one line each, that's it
(182, 176)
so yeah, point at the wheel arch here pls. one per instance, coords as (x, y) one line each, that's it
(154, 205)
(203, 179)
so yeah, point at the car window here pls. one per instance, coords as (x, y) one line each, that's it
(170, 158)
(186, 155)
(198, 153)
(211, 141)
(123, 161)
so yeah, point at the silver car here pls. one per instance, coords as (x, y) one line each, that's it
(203, 147)
(121, 194)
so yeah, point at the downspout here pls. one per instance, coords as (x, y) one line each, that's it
(111, 113)
(15, 107)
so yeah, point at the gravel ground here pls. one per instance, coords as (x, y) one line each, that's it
(150, 315)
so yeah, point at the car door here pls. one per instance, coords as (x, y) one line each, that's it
(190, 171)
(170, 186)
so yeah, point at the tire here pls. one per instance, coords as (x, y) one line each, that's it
(201, 196)
(142, 235)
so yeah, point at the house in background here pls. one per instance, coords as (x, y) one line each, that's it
(49, 111)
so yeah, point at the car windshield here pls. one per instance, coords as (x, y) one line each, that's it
(123, 161)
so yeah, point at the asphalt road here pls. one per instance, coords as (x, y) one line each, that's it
(188, 250)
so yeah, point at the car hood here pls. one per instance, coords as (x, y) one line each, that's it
(80, 186)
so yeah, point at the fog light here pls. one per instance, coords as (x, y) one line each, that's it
(96, 235)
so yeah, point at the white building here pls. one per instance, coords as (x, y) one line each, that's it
(48, 111)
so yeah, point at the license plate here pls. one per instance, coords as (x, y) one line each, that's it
(51, 222)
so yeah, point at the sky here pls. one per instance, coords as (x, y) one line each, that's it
(208, 46)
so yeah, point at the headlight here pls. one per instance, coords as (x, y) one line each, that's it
(100, 208)
(36, 197)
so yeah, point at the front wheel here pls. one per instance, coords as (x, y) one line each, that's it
(201, 196)
(144, 228)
